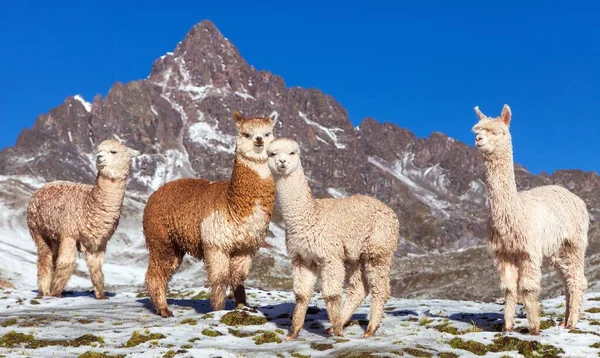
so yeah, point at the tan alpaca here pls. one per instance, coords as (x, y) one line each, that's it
(223, 223)
(353, 237)
(65, 217)
(527, 226)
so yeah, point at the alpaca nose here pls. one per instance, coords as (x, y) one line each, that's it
(478, 138)
(259, 141)
(282, 161)
(99, 159)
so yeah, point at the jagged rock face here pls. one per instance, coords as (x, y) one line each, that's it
(180, 119)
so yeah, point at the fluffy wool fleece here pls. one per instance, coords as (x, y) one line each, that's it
(526, 227)
(65, 217)
(355, 236)
(224, 223)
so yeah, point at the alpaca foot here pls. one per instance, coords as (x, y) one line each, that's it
(102, 297)
(563, 324)
(291, 337)
(334, 332)
(368, 334)
(164, 312)
(534, 331)
(507, 328)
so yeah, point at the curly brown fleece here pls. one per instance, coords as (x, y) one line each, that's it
(223, 223)
(65, 217)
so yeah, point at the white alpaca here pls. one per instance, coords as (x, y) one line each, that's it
(355, 236)
(65, 217)
(527, 226)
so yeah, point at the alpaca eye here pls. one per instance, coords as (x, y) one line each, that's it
(292, 153)
(271, 154)
(268, 135)
(247, 135)
(113, 152)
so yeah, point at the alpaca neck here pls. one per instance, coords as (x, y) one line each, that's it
(106, 196)
(504, 201)
(294, 196)
(249, 186)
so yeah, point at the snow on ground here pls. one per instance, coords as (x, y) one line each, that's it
(422, 328)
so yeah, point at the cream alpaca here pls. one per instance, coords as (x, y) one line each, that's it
(65, 217)
(355, 236)
(527, 226)
(224, 223)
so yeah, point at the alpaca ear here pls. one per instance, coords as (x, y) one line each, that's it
(133, 152)
(479, 114)
(274, 116)
(238, 118)
(506, 115)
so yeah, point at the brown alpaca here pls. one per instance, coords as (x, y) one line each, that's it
(223, 223)
(65, 217)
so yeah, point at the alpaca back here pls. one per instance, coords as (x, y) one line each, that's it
(556, 216)
(58, 209)
(347, 228)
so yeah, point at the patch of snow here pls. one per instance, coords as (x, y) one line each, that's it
(70, 136)
(244, 95)
(337, 193)
(154, 110)
(87, 105)
(426, 184)
(329, 131)
(205, 134)
(476, 192)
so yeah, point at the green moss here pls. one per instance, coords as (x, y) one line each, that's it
(595, 345)
(141, 294)
(240, 334)
(321, 346)
(471, 346)
(594, 322)
(9, 322)
(202, 295)
(448, 355)
(211, 332)
(117, 323)
(34, 302)
(187, 346)
(190, 321)
(280, 331)
(397, 353)
(340, 340)
(354, 354)
(547, 324)
(242, 318)
(529, 349)
(579, 331)
(298, 355)
(13, 339)
(267, 337)
(85, 321)
(593, 310)
(425, 321)
(192, 340)
(138, 338)
(208, 316)
(446, 327)
(594, 299)
(90, 354)
(169, 354)
(412, 319)
(417, 352)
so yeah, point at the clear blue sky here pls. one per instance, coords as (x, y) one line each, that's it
(420, 64)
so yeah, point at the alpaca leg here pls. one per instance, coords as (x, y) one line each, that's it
(160, 269)
(378, 272)
(509, 276)
(332, 275)
(358, 289)
(304, 279)
(44, 265)
(65, 264)
(217, 267)
(530, 275)
(239, 266)
(94, 261)
(561, 269)
(576, 286)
